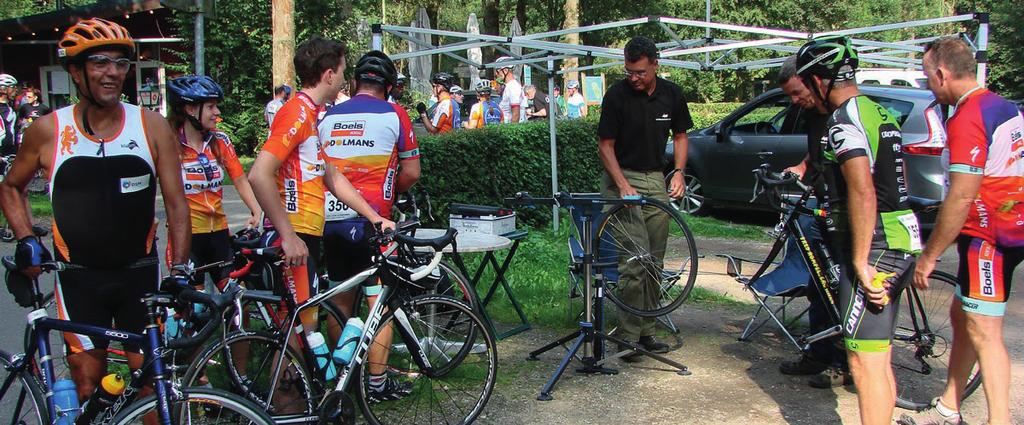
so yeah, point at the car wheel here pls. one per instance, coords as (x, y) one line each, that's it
(693, 201)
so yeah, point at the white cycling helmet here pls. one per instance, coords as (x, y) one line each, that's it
(483, 86)
(455, 90)
(572, 84)
(8, 80)
(503, 59)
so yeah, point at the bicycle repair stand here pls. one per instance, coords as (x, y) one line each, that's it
(591, 336)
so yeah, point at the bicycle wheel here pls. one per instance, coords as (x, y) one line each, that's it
(198, 406)
(455, 284)
(217, 366)
(463, 364)
(654, 274)
(921, 344)
(21, 398)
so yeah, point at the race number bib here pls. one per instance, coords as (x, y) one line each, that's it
(909, 222)
(335, 210)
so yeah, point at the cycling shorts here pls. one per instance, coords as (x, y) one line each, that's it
(208, 248)
(867, 327)
(985, 275)
(345, 255)
(104, 298)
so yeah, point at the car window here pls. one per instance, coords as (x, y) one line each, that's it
(903, 83)
(875, 82)
(899, 109)
(766, 118)
(922, 83)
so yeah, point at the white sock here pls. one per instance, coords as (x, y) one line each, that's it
(943, 410)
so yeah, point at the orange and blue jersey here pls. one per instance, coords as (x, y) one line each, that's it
(443, 118)
(986, 137)
(300, 180)
(365, 138)
(203, 176)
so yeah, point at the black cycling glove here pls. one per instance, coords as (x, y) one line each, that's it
(421, 108)
(30, 252)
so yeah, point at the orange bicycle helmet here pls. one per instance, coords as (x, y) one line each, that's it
(90, 34)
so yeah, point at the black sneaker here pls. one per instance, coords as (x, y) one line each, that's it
(40, 231)
(831, 377)
(6, 235)
(393, 390)
(804, 366)
(653, 345)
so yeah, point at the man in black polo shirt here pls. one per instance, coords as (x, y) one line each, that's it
(637, 116)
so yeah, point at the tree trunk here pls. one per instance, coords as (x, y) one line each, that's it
(283, 20)
(572, 20)
(521, 13)
(492, 20)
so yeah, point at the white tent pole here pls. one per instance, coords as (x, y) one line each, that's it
(900, 25)
(377, 38)
(554, 140)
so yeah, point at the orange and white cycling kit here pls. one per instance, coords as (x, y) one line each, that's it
(300, 182)
(203, 177)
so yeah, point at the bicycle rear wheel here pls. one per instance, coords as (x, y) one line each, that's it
(198, 406)
(462, 356)
(921, 344)
(217, 366)
(655, 273)
(21, 398)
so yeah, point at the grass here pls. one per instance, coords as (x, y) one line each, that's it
(718, 228)
(539, 276)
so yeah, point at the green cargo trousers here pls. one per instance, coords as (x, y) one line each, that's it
(642, 229)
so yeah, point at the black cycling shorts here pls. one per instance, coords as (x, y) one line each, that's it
(866, 327)
(104, 298)
(345, 255)
(210, 248)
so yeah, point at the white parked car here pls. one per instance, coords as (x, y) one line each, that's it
(892, 77)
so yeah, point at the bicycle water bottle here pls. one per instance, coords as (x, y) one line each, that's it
(322, 353)
(65, 399)
(348, 340)
(110, 388)
(171, 325)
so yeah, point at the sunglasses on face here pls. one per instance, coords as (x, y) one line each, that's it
(204, 161)
(104, 62)
(637, 74)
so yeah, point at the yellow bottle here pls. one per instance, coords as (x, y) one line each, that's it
(878, 282)
(113, 384)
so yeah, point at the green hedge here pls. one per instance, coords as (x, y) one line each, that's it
(484, 166)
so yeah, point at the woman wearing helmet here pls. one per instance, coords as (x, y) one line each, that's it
(576, 106)
(442, 118)
(205, 155)
(486, 110)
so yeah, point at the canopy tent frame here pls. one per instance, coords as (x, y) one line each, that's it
(693, 54)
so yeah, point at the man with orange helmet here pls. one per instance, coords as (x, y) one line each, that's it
(105, 159)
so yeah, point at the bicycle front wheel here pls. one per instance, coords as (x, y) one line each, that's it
(459, 354)
(21, 398)
(654, 258)
(198, 406)
(922, 342)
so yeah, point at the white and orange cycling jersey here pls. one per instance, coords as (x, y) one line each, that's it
(203, 177)
(365, 138)
(300, 180)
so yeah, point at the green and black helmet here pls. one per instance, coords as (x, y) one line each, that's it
(832, 57)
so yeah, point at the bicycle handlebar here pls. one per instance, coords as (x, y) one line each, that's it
(566, 199)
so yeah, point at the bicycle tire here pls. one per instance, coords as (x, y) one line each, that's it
(452, 378)
(23, 392)
(921, 344)
(228, 378)
(196, 404)
(617, 245)
(455, 284)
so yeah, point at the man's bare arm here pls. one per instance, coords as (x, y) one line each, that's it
(168, 173)
(35, 152)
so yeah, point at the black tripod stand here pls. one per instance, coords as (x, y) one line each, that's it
(590, 337)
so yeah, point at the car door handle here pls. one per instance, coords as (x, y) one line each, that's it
(766, 153)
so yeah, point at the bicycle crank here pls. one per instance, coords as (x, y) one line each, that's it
(338, 409)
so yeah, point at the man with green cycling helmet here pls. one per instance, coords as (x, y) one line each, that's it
(872, 232)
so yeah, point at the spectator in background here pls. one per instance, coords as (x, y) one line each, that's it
(512, 95)
(537, 107)
(457, 97)
(398, 91)
(575, 104)
(441, 118)
(486, 110)
(559, 102)
(281, 95)
(30, 110)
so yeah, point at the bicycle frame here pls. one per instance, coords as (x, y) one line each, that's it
(153, 364)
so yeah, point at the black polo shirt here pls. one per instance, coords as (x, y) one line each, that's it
(641, 124)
